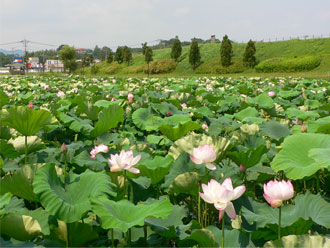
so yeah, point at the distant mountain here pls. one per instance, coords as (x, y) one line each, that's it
(6, 52)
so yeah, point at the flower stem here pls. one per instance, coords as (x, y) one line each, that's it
(199, 204)
(26, 150)
(65, 164)
(279, 223)
(223, 231)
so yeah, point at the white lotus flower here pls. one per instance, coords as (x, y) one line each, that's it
(124, 161)
(204, 155)
(221, 196)
(98, 149)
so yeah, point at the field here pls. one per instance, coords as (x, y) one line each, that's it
(167, 162)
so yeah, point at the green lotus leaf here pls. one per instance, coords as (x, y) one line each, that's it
(204, 111)
(8, 150)
(249, 157)
(287, 94)
(204, 238)
(74, 234)
(4, 99)
(294, 113)
(114, 214)
(264, 101)
(174, 219)
(108, 118)
(185, 183)
(25, 120)
(145, 120)
(274, 130)
(68, 200)
(156, 169)
(296, 241)
(175, 120)
(314, 208)
(247, 112)
(174, 133)
(83, 160)
(157, 140)
(294, 157)
(20, 182)
(4, 201)
(25, 225)
(321, 156)
(187, 144)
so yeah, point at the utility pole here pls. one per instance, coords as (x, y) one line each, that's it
(25, 54)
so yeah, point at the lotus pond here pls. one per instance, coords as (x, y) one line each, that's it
(171, 162)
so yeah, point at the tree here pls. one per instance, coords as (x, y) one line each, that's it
(148, 57)
(250, 51)
(60, 47)
(104, 53)
(68, 55)
(119, 56)
(144, 47)
(97, 52)
(176, 49)
(127, 55)
(110, 57)
(194, 54)
(88, 60)
(226, 51)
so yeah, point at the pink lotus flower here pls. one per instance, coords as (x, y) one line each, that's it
(124, 161)
(221, 196)
(113, 99)
(271, 93)
(60, 94)
(275, 192)
(184, 105)
(31, 106)
(98, 149)
(130, 97)
(10, 94)
(107, 96)
(204, 155)
(205, 126)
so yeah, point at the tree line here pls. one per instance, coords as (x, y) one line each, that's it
(124, 54)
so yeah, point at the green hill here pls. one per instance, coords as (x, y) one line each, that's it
(210, 54)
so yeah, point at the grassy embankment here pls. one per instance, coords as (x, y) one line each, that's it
(210, 65)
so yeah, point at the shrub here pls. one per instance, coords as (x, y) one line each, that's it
(161, 66)
(295, 64)
(214, 66)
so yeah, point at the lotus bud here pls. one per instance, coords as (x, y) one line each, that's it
(275, 192)
(303, 128)
(31, 106)
(130, 97)
(205, 126)
(242, 168)
(169, 113)
(64, 148)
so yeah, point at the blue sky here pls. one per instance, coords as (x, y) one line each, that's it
(84, 23)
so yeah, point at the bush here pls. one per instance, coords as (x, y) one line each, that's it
(161, 66)
(214, 66)
(305, 63)
(134, 69)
